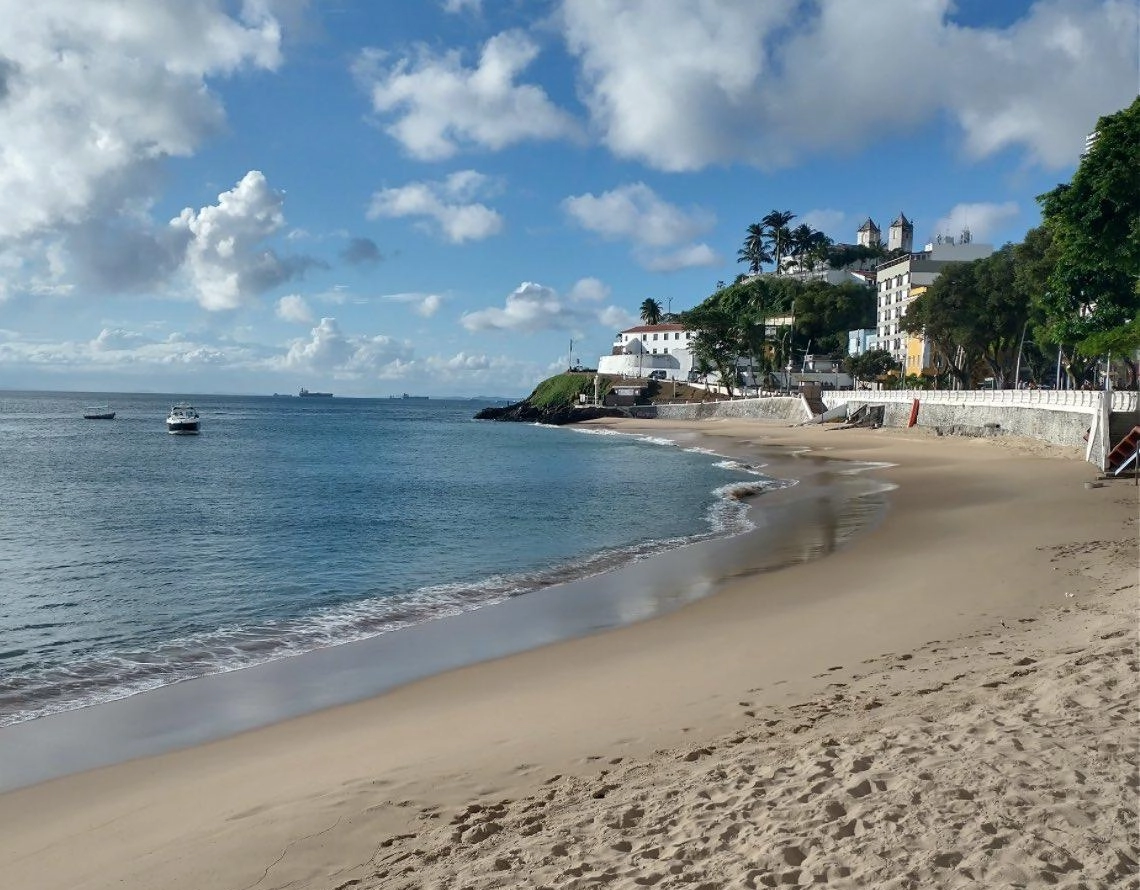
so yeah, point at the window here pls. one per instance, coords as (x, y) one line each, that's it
(643, 337)
(677, 336)
(665, 350)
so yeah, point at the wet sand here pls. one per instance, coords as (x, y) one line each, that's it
(948, 702)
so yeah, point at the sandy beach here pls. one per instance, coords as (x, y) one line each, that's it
(951, 701)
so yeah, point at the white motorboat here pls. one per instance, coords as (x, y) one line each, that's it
(183, 420)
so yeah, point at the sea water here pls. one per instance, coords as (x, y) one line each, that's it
(131, 559)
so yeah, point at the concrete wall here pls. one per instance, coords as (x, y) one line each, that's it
(790, 409)
(1055, 427)
(1060, 418)
(1070, 417)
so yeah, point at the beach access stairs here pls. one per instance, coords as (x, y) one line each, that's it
(1126, 453)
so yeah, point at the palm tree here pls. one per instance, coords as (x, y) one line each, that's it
(651, 311)
(808, 246)
(777, 235)
(754, 252)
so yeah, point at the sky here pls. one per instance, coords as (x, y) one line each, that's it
(455, 197)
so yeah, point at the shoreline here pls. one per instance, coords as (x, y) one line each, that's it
(213, 706)
(962, 556)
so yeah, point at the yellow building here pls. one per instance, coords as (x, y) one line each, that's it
(918, 359)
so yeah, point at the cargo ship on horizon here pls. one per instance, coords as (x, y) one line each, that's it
(304, 393)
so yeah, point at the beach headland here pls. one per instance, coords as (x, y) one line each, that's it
(948, 702)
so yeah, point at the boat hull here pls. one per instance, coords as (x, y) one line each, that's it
(182, 429)
(110, 415)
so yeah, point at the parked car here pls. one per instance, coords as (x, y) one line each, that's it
(657, 375)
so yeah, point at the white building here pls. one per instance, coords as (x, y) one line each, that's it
(896, 278)
(640, 351)
(651, 347)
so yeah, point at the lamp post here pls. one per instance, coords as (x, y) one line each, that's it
(1017, 366)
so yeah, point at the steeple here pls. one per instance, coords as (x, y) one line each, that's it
(868, 234)
(900, 236)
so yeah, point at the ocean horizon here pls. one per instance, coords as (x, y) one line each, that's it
(133, 560)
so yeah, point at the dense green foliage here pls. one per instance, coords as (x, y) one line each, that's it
(1070, 290)
(841, 256)
(870, 365)
(741, 315)
(564, 389)
(974, 313)
(1092, 299)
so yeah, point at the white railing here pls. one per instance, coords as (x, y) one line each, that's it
(1074, 399)
(1083, 400)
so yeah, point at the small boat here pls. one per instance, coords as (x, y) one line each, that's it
(98, 412)
(182, 420)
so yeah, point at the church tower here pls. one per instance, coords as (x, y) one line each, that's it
(900, 236)
(868, 235)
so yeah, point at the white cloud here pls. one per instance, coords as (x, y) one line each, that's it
(446, 205)
(530, 307)
(688, 257)
(616, 317)
(128, 352)
(93, 95)
(635, 212)
(693, 83)
(426, 305)
(534, 307)
(491, 374)
(831, 222)
(460, 5)
(982, 219)
(588, 290)
(225, 259)
(441, 106)
(329, 351)
(294, 308)
(463, 362)
(119, 338)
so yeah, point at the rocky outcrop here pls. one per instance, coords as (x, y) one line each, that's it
(555, 415)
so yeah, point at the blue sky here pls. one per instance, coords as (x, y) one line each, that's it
(437, 196)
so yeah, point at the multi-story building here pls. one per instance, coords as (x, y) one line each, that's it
(897, 278)
(918, 358)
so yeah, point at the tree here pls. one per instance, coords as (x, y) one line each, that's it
(1094, 288)
(826, 312)
(718, 340)
(651, 311)
(870, 365)
(809, 246)
(842, 256)
(754, 251)
(974, 313)
(777, 236)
